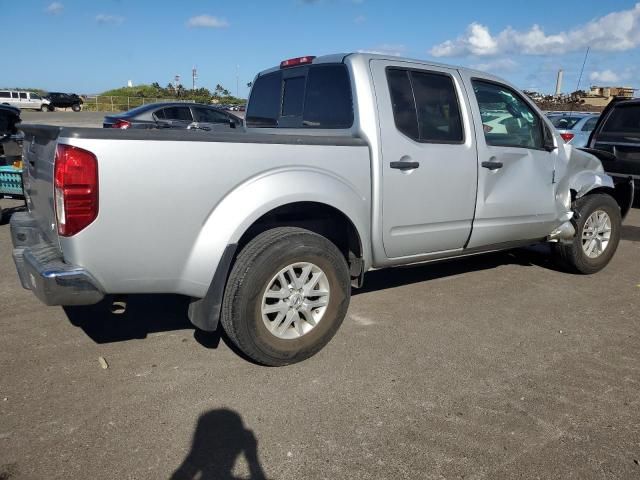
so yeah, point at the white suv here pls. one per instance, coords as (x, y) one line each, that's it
(24, 100)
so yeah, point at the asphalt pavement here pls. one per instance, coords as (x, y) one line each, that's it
(496, 366)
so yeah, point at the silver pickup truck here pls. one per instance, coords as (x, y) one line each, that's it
(348, 163)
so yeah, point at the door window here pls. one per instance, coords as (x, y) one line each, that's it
(425, 106)
(209, 115)
(177, 113)
(5, 95)
(23, 95)
(507, 120)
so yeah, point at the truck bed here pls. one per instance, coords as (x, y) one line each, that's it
(164, 219)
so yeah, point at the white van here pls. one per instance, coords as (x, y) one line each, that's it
(24, 100)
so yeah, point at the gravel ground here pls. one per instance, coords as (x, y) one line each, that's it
(497, 366)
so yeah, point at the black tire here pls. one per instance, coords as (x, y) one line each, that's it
(75, 107)
(256, 265)
(572, 256)
(44, 108)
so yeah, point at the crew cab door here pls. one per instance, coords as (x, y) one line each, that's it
(429, 160)
(516, 192)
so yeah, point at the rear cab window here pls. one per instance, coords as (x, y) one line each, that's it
(312, 96)
(564, 122)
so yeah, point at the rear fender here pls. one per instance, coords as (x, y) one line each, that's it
(240, 208)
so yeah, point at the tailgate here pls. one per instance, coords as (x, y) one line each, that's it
(39, 154)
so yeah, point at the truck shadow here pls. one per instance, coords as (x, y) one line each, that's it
(146, 314)
(630, 233)
(219, 440)
(395, 277)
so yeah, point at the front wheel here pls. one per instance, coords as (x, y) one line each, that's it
(597, 235)
(44, 108)
(286, 296)
(75, 107)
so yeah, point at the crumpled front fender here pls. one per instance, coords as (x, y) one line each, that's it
(583, 173)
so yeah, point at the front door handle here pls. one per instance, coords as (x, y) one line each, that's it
(492, 165)
(404, 165)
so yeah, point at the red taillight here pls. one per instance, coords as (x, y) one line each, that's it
(123, 124)
(75, 189)
(567, 137)
(294, 62)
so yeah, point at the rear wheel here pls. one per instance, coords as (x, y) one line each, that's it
(286, 296)
(597, 235)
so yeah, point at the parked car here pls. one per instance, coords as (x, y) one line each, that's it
(618, 134)
(22, 100)
(574, 127)
(10, 154)
(178, 115)
(348, 163)
(64, 100)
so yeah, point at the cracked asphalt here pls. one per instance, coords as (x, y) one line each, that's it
(497, 366)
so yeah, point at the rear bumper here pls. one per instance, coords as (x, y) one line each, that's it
(42, 269)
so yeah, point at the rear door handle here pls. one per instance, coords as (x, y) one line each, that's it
(492, 165)
(404, 165)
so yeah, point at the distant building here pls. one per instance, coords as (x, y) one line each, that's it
(601, 96)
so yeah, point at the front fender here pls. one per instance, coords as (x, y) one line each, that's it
(240, 208)
(581, 174)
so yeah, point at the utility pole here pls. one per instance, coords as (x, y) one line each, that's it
(194, 76)
(237, 81)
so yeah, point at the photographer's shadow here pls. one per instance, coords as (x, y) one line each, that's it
(219, 440)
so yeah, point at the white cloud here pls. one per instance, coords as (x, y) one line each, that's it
(104, 19)
(207, 21)
(386, 49)
(605, 76)
(54, 8)
(497, 65)
(617, 31)
(360, 19)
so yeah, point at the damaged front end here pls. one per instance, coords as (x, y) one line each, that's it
(583, 174)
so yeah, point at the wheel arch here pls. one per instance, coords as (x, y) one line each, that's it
(325, 204)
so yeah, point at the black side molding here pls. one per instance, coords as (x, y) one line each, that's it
(204, 313)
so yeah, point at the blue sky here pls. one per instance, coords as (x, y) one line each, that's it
(90, 46)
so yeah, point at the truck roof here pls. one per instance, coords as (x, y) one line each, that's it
(339, 57)
(366, 56)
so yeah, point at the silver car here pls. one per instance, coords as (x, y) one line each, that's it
(574, 127)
